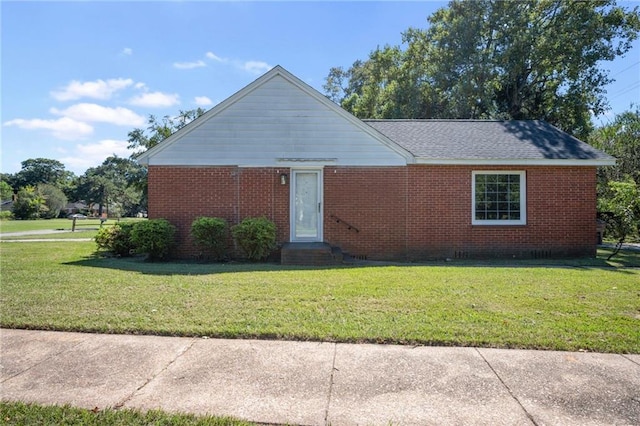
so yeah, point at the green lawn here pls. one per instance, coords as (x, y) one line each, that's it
(53, 224)
(85, 228)
(17, 413)
(79, 233)
(63, 286)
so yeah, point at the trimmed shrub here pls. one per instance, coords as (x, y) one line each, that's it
(6, 215)
(153, 237)
(210, 233)
(116, 239)
(256, 237)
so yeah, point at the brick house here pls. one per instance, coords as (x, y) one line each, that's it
(377, 189)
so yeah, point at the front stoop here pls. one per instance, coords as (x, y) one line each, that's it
(311, 254)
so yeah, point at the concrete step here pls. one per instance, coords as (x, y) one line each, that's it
(311, 254)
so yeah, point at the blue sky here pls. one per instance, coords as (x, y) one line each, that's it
(76, 77)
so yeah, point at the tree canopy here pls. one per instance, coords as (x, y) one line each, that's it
(158, 130)
(41, 170)
(620, 138)
(619, 185)
(491, 59)
(111, 185)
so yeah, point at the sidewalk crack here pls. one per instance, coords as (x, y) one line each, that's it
(42, 361)
(153, 376)
(511, 393)
(629, 359)
(333, 369)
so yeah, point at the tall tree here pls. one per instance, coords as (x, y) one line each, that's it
(620, 138)
(43, 170)
(618, 186)
(529, 59)
(111, 186)
(54, 200)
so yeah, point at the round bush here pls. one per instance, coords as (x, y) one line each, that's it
(116, 239)
(153, 237)
(210, 233)
(256, 237)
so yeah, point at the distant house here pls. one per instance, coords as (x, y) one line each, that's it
(6, 205)
(77, 207)
(377, 189)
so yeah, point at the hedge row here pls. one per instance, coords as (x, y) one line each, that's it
(256, 237)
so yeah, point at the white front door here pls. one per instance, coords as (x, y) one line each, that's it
(306, 205)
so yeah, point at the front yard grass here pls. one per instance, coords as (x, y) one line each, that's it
(584, 306)
(80, 233)
(7, 226)
(18, 413)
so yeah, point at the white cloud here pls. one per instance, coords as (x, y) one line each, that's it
(98, 89)
(93, 154)
(127, 51)
(140, 86)
(155, 99)
(213, 56)
(203, 101)
(189, 65)
(61, 128)
(98, 113)
(256, 67)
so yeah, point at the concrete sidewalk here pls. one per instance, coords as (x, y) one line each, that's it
(310, 383)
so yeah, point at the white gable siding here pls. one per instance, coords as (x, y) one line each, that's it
(277, 124)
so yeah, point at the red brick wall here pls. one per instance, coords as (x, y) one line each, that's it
(374, 201)
(561, 211)
(414, 212)
(181, 194)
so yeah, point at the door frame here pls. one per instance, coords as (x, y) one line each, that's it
(292, 204)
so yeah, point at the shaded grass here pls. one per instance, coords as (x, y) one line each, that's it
(62, 286)
(17, 413)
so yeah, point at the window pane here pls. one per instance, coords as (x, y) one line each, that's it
(497, 197)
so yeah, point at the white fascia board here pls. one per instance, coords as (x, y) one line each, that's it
(515, 162)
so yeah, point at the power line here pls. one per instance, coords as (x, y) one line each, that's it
(625, 90)
(627, 68)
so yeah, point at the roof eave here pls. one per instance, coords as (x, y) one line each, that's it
(516, 162)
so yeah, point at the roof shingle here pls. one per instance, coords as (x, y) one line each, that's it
(486, 140)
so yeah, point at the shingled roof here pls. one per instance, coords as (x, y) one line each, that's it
(497, 142)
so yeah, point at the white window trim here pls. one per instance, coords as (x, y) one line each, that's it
(523, 197)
